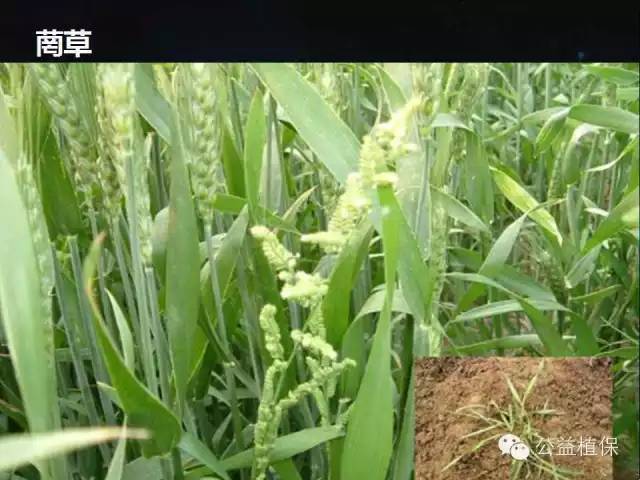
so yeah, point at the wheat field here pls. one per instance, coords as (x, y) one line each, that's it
(226, 271)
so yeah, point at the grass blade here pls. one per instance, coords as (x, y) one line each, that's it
(617, 75)
(512, 342)
(151, 104)
(199, 451)
(126, 339)
(287, 446)
(550, 337)
(368, 445)
(505, 306)
(328, 136)
(336, 304)
(624, 215)
(28, 329)
(550, 130)
(609, 117)
(478, 183)
(403, 466)
(182, 278)
(523, 200)
(116, 466)
(255, 134)
(458, 210)
(22, 449)
(495, 259)
(8, 136)
(143, 409)
(543, 326)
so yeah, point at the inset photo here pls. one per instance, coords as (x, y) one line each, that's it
(514, 418)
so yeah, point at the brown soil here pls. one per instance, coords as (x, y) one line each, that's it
(580, 388)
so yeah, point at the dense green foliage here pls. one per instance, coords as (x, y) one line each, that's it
(241, 261)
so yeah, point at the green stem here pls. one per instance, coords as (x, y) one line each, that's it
(73, 335)
(159, 338)
(215, 287)
(251, 322)
(542, 163)
(235, 113)
(124, 269)
(99, 369)
(148, 362)
(520, 67)
(177, 464)
(236, 419)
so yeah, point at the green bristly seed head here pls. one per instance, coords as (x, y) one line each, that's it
(278, 256)
(271, 332)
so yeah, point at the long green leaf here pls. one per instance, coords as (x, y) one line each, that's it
(22, 449)
(507, 343)
(28, 329)
(126, 339)
(151, 104)
(336, 303)
(375, 303)
(583, 268)
(287, 446)
(326, 134)
(617, 75)
(494, 261)
(142, 408)
(586, 342)
(182, 278)
(502, 247)
(624, 215)
(448, 120)
(523, 200)
(505, 306)
(116, 466)
(231, 204)
(609, 117)
(551, 130)
(395, 96)
(225, 261)
(550, 337)
(459, 211)
(143, 469)
(286, 470)
(404, 459)
(571, 166)
(541, 324)
(8, 136)
(199, 451)
(253, 150)
(368, 445)
(416, 280)
(233, 165)
(59, 201)
(598, 295)
(478, 183)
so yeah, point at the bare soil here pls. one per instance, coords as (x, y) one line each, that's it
(579, 388)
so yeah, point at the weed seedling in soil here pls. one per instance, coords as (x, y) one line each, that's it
(518, 419)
